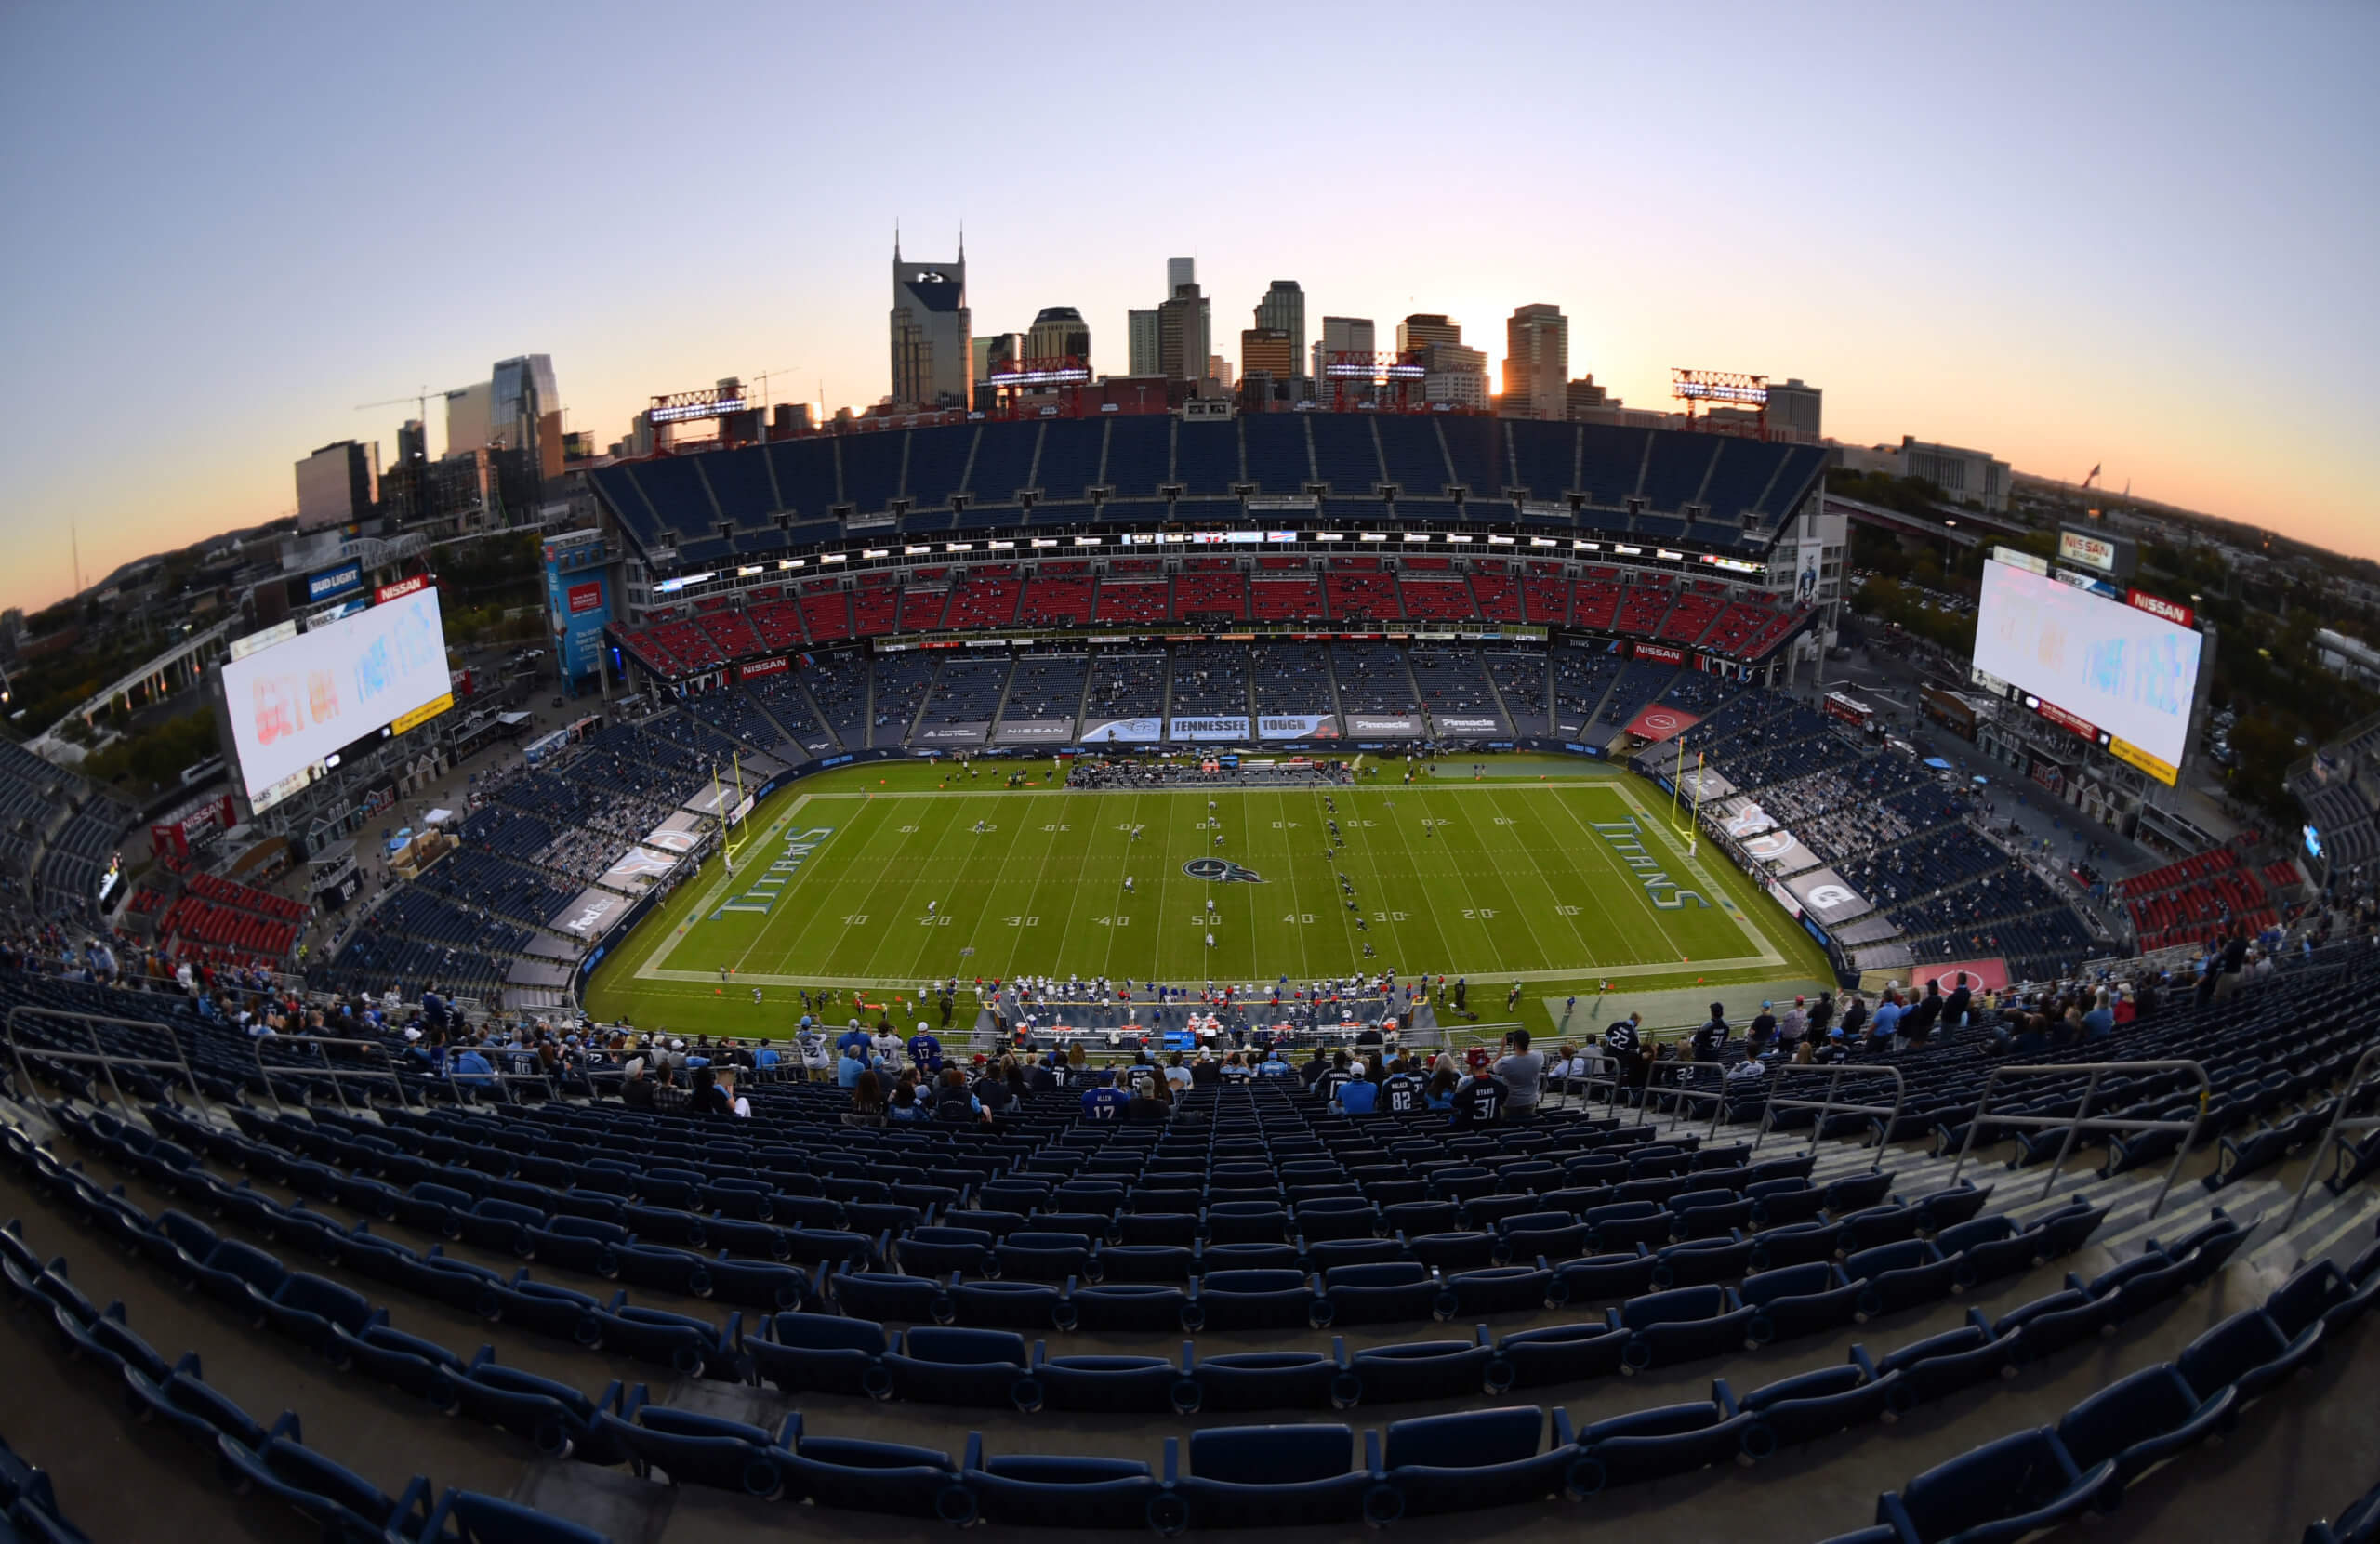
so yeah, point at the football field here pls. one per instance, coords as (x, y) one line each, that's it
(881, 878)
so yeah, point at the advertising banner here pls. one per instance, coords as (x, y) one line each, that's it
(636, 870)
(332, 582)
(954, 734)
(1111, 731)
(1825, 896)
(1472, 724)
(399, 591)
(1660, 654)
(1657, 722)
(712, 799)
(1745, 819)
(577, 608)
(759, 668)
(1375, 724)
(1779, 851)
(1297, 726)
(590, 914)
(1034, 731)
(1223, 728)
(1705, 785)
(677, 834)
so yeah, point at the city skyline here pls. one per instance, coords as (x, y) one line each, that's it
(257, 225)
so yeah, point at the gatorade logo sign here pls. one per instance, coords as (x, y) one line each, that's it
(1222, 871)
(1825, 896)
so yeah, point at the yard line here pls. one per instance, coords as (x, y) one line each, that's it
(1554, 897)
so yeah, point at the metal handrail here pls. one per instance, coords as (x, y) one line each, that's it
(1834, 1074)
(2076, 1123)
(322, 1044)
(99, 1054)
(500, 1082)
(2340, 1129)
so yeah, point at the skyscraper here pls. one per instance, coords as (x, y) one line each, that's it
(993, 348)
(1793, 410)
(1270, 350)
(337, 484)
(1182, 335)
(1058, 333)
(1537, 364)
(1283, 307)
(1454, 375)
(524, 411)
(1142, 332)
(1342, 336)
(1184, 270)
(933, 354)
(1421, 329)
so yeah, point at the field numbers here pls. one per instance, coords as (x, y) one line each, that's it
(1118, 921)
(936, 921)
(1023, 922)
(1388, 917)
(908, 829)
(1438, 823)
(856, 919)
(1297, 918)
(1566, 911)
(1286, 824)
(1060, 826)
(1500, 819)
(1482, 914)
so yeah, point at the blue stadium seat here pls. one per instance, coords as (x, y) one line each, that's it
(1894, 1276)
(2140, 1420)
(1471, 1460)
(1416, 1370)
(1266, 1379)
(1066, 1492)
(2247, 1352)
(1684, 1325)
(1941, 1364)
(467, 1517)
(824, 1352)
(1818, 1404)
(1254, 1300)
(1793, 1300)
(1994, 1494)
(948, 1366)
(1272, 1476)
(1657, 1442)
(693, 1448)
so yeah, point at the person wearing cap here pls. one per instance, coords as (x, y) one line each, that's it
(925, 1052)
(636, 1089)
(853, 1036)
(1763, 1028)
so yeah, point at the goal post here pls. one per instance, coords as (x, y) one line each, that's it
(1685, 816)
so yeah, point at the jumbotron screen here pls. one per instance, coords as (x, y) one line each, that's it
(2127, 669)
(293, 706)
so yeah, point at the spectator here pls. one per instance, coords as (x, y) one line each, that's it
(1521, 1071)
(867, 1099)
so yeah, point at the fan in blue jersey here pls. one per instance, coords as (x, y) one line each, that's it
(1105, 1103)
(924, 1050)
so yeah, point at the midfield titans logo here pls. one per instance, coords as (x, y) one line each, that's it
(1223, 871)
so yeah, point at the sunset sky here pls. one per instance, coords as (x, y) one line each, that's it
(2142, 236)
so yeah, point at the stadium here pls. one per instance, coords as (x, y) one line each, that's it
(549, 1210)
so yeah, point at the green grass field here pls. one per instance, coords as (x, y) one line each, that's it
(880, 878)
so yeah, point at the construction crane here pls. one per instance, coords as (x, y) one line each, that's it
(420, 401)
(764, 378)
